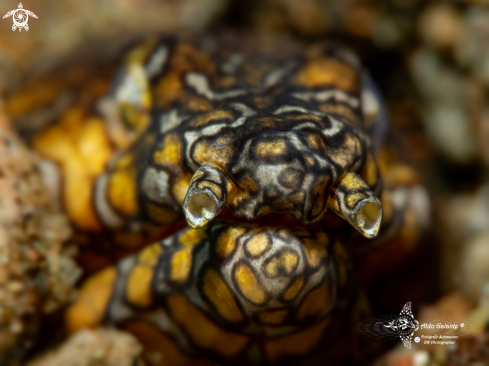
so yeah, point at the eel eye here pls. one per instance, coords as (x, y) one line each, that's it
(353, 200)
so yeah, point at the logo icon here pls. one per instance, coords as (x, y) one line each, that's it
(404, 325)
(20, 17)
(393, 327)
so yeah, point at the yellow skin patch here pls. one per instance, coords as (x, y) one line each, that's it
(248, 187)
(160, 215)
(315, 249)
(138, 290)
(257, 244)
(212, 186)
(354, 198)
(275, 317)
(264, 210)
(93, 298)
(137, 120)
(314, 302)
(181, 187)
(309, 160)
(295, 344)
(286, 261)
(181, 264)
(248, 284)
(284, 233)
(211, 117)
(170, 152)
(293, 290)
(298, 197)
(140, 52)
(169, 89)
(198, 174)
(227, 241)
(320, 192)
(341, 110)
(93, 145)
(349, 149)
(149, 255)
(326, 71)
(190, 237)
(185, 58)
(80, 146)
(122, 191)
(160, 349)
(221, 296)
(217, 155)
(351, 182)
(125, 161)
(202, 331)
(266, 149)
(291, 178)
(315, 142)
(197, 104)
(369, 171)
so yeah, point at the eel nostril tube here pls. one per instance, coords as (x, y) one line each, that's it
(353, 200)
(206, 195)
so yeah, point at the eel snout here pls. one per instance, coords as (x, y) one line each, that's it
(351, 198)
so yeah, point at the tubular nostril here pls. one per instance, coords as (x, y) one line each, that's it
(356, 203)
(206, 196)
(369, 217)
(201, 207)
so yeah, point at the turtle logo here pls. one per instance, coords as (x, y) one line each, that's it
(20, 17)
(404, 325)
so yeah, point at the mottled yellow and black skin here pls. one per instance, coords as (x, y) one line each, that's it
(281, 125)
(281, 122)
(237, 293)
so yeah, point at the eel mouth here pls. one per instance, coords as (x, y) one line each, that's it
(210, 191)
(273, 220)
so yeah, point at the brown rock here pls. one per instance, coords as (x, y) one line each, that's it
(96, 347)
(37, 272)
